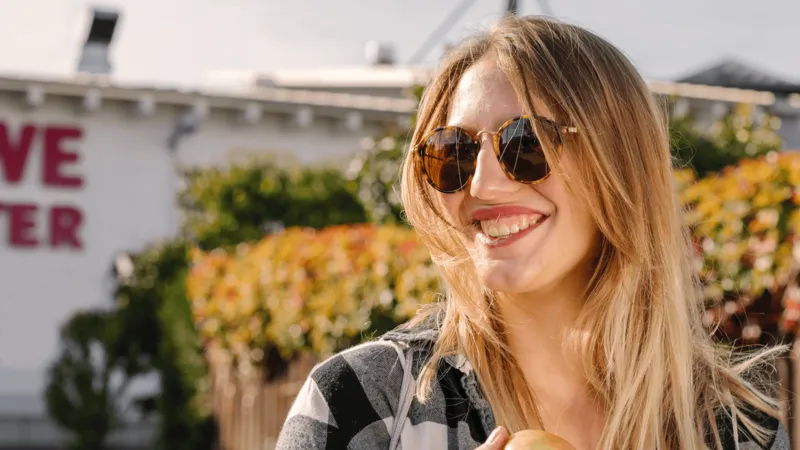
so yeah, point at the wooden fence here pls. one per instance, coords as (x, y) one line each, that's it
(250, 412)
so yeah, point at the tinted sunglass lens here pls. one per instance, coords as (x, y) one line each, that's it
(521, 151)
(448, 158)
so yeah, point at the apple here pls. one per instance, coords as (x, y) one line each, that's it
(536, 440)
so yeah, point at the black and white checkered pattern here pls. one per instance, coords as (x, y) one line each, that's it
(349, 402)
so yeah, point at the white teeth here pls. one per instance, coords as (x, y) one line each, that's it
(491, 228)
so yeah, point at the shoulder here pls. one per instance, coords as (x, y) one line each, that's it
(366, 373)
(778, 436)
(349, 395)
(780, 440)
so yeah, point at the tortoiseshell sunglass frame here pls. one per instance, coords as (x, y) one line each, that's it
(553, 130)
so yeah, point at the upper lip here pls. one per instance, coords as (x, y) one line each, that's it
(496, 212)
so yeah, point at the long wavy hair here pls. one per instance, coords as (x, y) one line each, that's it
(648, 357)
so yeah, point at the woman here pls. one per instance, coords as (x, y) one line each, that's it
(540, 179)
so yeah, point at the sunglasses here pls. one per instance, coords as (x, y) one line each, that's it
(448, 155)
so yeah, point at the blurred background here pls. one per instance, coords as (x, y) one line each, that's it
(198, 197)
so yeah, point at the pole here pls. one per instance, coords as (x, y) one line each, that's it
(440, 31)
(512, 8)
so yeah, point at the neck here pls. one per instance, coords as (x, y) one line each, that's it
(538, 324)
(539, 329)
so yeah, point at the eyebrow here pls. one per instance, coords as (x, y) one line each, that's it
(495, 125)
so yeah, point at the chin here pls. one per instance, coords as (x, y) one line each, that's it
(507, 277)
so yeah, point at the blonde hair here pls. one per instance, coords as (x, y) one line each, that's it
(648, 357)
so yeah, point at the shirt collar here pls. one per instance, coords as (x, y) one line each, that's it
(423, 337)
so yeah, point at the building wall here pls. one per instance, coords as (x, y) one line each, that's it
(126, 201)
(38, 433)
(790, 131)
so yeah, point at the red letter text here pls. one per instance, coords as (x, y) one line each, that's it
(22, 224)
(65, 222)
(55, 156)
(14, 155)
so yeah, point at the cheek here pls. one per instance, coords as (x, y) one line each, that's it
(576, 226)
(579, 231)
(453, 206)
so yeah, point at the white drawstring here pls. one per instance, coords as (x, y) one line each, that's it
(407, 392)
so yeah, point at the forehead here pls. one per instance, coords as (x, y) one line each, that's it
(485, 99)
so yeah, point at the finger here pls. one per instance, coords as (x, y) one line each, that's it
(496, 440)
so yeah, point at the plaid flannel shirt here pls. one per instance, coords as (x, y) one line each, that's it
(350, 400)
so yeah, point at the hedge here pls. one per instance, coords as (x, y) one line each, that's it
(306, 289)
(745, 224)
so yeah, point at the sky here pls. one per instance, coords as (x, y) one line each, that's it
(180, 42)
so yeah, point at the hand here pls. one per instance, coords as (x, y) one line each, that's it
(497, 440)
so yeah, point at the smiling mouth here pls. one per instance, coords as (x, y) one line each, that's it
(508, 226)
(507, 230)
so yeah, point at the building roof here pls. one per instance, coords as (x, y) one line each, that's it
(227, 97)
(403, 77)
(737, 74)
(294, 89)
(374, 76)
(717, 93)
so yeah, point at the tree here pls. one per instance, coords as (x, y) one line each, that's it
(741, 133)
(377, 171)
(89, 379)
(243, 202)
(157, 328)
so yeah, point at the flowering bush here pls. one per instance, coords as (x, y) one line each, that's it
(745, 223)
(307, 289)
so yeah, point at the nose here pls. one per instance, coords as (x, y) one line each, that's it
(490, 182)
